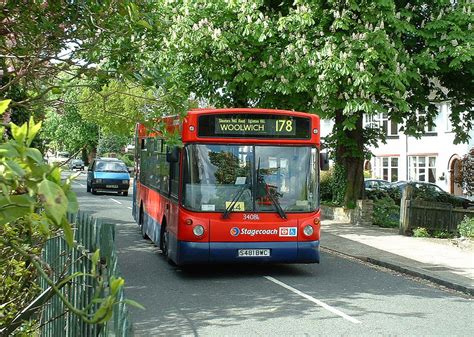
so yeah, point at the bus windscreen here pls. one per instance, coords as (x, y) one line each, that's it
(254, 125)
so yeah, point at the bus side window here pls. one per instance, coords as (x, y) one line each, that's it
(143, 162)
(164, 170)
(155, 163)
(174, 177)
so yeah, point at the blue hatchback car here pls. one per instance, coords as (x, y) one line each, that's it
(108, 174)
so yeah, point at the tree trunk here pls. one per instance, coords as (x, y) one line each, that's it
(350, 155)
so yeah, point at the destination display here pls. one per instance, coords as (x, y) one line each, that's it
(253, 125)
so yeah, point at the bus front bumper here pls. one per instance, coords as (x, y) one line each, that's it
(224, 252)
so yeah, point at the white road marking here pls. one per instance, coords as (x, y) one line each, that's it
(118, 202)
(129, 207)
(82, 185)
(314, 300)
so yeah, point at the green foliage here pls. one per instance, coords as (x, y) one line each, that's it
(128, 159)
(117, 107)
(41, 41)
(325, 186)
(386, 212)
(392, 193)
(332, 185)
(466, 227)
(467, 172)
(34, 201)
(111, 143)
(331, 58)
(428, 193)
(421, 232)
(68, 130)
(440, 234)
(339, 184)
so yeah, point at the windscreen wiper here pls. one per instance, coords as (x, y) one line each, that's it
(275, 202)
(278, 207)
(232, 204)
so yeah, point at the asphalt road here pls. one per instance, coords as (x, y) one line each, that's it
(337, 297)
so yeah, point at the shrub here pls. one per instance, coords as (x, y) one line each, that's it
(466, 227)
(440, 234)
(333, 186)
(127, 158)
(427, 193)
(33, 208)
(325, 187)
(421, 232)
(339, 184)
(392, 193)
(386, 212)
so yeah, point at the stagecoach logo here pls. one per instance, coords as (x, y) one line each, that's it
(234, 231)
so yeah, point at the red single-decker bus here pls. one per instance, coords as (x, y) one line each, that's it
(243, 187)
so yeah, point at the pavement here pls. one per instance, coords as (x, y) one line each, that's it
(448, 262)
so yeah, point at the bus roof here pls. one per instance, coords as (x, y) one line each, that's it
(190, 127)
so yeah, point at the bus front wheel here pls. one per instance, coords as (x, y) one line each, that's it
(165, 244)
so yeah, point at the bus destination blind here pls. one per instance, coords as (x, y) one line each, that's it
(259, 126)
(254, 126)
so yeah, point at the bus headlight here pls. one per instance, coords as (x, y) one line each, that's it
(98, 181)
(308, 230)
(198, 230)
(124, 181)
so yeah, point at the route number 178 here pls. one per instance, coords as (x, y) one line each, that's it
(282, 125)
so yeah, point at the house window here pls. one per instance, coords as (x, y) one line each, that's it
(422, 168)
(386, 168)
(381, 120)
(429, 128)
(445, 111)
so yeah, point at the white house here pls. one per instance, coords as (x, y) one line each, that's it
(432, 158)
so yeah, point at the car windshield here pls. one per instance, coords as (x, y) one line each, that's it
(224, 178)
(110, 166)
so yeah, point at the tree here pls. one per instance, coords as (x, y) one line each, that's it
(339, 59)
(65, 129)
(47, 47)
(117, 106)
(112, 144)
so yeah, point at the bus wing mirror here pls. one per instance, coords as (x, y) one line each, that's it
(324, 161)
(173, 155)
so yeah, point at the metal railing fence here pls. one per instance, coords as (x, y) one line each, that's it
(90, 234)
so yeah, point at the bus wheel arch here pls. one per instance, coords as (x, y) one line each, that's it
(164, 238)
(141, 222)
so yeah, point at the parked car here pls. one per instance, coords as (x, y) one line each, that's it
(376, 184)
(108, 174)
(76, 164)
(435, 192)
